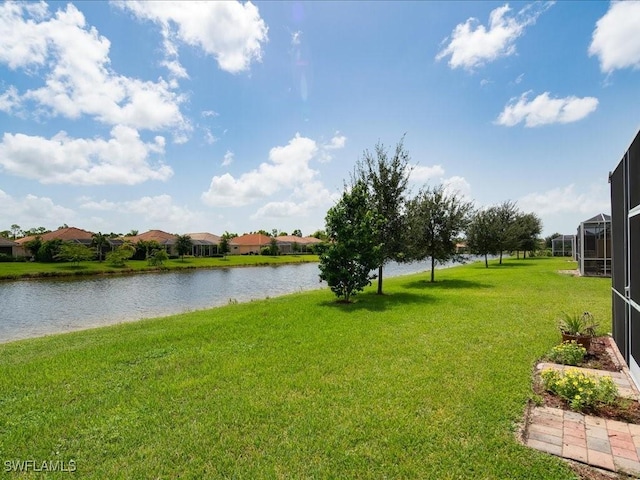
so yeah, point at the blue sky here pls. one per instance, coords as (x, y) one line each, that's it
(193, 117)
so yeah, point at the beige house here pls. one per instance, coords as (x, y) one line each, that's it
(249, 244)
(10, 248)
(204, 244)
(166, 240)
(287, 243)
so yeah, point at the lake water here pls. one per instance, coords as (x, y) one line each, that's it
(31, 308)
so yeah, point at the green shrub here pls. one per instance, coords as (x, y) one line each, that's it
(568, 353)
(580, 390)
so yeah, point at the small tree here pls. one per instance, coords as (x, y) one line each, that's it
(34, 245)
(434, 221)
(99, 240)
(15, 229)
(353, 250)
(505, 224)
(183, 245)
(120, 255)
(481, 234)
(273, 247)
(48, 250)
(387, 179)
(528, 226)
(74, 252)
(223, 247)
(297, 233)
(157, 257)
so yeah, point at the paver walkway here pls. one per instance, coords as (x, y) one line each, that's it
(595, 441)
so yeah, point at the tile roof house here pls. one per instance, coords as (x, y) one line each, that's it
(286, 243)
(68, 234)
(9, 247)
(166, 240)
(249, 244)
(204, 244)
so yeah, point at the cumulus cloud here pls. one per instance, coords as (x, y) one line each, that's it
(567, 200)
(337, 142)
(122, 159)
(79, 80)
(616, 40)
(34, 211)
(457, 186)
(544, 110)
(231, 32)
(287, 167)
(421, 173)
(158, 211)
(472, 44)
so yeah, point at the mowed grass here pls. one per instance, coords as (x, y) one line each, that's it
(427, 381)
(14, 270)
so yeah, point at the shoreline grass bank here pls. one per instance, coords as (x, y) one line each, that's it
(36, 270)
(427, 381)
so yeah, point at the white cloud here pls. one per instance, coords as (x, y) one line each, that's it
(472, 45)
(79, 79)
(209, 137)
(122, 159)
(457, 186)
(420, 173)
(616, 38)
(231, 32)
(209, 113)
(228, 158)
(309, 196)
(567, 200)
(544, 110)
(34, 211)
(288, 167)
(296, 37)
(337, 142)
(159, 212)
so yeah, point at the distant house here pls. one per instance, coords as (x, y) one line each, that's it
(249, 244)
(286, 243)
(204, 244)
(164, 239)
(593, 246)
(9, 248)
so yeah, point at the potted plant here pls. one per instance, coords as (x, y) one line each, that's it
(580, 327)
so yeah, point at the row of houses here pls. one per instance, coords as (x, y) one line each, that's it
(203, 244)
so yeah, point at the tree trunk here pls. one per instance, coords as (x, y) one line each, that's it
(524, 254)
(518, 254)
(380, 280)
(500, 257)
(486, 261)
(433, 266)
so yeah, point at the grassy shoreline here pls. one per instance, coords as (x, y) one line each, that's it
(36, 270)
(427, 381)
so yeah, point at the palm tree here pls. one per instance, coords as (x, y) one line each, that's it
(99, 240)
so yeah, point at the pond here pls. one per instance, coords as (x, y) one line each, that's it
(31, 308)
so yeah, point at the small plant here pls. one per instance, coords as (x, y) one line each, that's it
(580, 390)
(578, 324)
(568, 353)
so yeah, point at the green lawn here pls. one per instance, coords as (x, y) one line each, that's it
(13, 270)
(427, 381)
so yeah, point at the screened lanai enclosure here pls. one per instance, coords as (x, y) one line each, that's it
(625, 214)
(563, 246)
(593, 246)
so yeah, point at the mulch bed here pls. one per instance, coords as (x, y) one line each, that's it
(625, 410)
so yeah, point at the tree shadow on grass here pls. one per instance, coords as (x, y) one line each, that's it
(447, 284)
(378, 303)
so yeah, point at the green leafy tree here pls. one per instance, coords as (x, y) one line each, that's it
(74, 252)
(144, 248)
(481, 234)
(119, 256)
(505, 216)
(223, 247)
(528, 227)
(48, 250)
(434, 220)
(15, 229)
(33, 246)
(320, 235)
(353, 250)
(297, 233)
(99, 240)
(132, 233)
(387, 178)
(272, 249)
(6, 234)
(183, 245)
(157, 257)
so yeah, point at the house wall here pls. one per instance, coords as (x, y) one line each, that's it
(625, 238)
